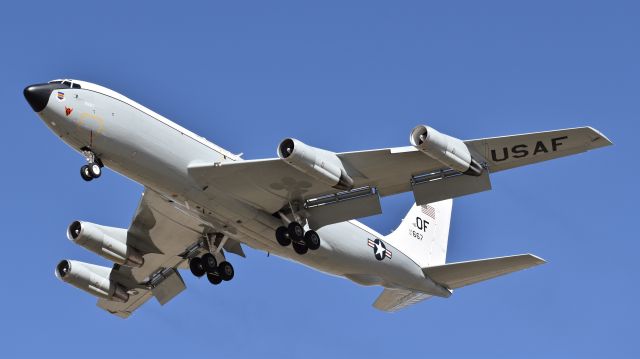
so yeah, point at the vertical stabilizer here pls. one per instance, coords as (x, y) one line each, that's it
(424, 233)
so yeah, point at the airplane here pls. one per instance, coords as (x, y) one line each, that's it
(201, 202)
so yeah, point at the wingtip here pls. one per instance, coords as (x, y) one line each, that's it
(537, 259)
(599, 139)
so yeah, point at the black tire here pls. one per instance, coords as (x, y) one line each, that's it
(84, 173)
(312, 240)
(197, 269)
(214, 278)
(209, 263)
(226, 271)
(94, 170)
(282, 236)
(300, 248)
(296, 232)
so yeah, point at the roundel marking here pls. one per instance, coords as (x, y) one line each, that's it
(380, 250)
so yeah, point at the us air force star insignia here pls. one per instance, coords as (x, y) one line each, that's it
(380, 251)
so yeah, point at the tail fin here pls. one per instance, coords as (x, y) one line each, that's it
(424, 233)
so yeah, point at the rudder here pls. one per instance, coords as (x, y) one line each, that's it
(423, 234)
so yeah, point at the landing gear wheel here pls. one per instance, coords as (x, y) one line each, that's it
(226, 271)
(84, 173)
(95, 170)
(197, 269)
(214, 278)
(282, 236)
(209, 263)
(312, 240)
(296, 232)
(299, 248)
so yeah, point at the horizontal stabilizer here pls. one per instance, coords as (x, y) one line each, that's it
(456, 275)
(391, 300)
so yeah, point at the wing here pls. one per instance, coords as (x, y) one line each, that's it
(391, 300)
(164, 231)
(271, 184)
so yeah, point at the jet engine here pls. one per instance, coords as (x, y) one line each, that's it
(108, 242)
(323, 165)
(449, 151)
(91, 278)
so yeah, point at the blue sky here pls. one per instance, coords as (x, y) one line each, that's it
(342, 76)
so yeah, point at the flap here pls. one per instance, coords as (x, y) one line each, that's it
(169, 287)
(343, 207)
(442, 185)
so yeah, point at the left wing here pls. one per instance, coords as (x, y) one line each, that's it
(162, 230)
(271, 184)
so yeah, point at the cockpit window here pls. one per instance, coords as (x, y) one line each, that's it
(67, 83)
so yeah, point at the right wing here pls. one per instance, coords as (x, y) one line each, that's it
(163, 231)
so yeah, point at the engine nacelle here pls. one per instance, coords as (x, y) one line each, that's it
(449, 151)
(108, 242)
(91, 278)
(321, 164)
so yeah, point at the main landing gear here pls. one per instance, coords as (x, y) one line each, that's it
(208, 264)
(295, 235)
(94, 167)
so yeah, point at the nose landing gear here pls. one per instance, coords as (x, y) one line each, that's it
(94, 167)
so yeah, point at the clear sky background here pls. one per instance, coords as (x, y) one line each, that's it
(342, 75)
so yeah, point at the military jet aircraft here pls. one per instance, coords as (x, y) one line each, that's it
(202, 203)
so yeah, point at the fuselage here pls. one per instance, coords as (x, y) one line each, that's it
(155, 152)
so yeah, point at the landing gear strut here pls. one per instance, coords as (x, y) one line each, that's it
(94, 167)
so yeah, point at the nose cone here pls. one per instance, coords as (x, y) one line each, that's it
(38, 95)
